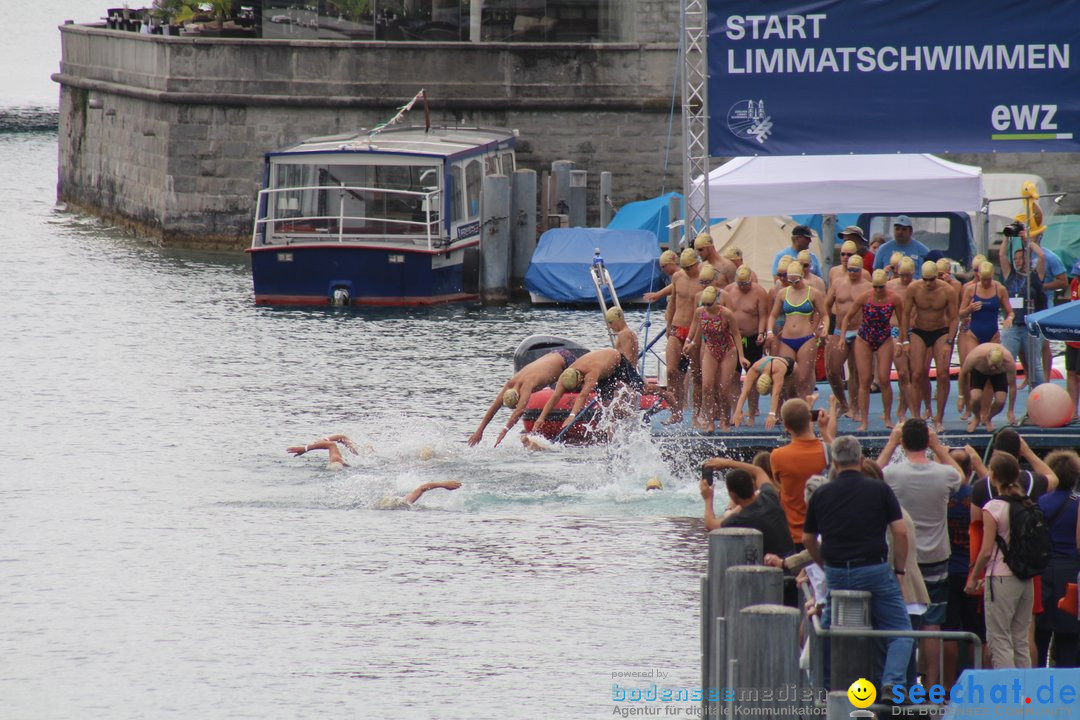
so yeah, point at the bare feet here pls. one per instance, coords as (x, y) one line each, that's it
(972, 424)
(939, 426)
(888, 421)
(675, 419)
(749, 420)
(989, 425)
(862, 428)
(708, 427)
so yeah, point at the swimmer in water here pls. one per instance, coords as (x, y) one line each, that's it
(407, 502)
(330, 444)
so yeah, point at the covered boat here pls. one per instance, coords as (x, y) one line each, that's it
(386, 218)
(560, 268)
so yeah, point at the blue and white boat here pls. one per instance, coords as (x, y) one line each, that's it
(386, 218)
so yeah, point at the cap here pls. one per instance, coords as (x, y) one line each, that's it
(995, 357)
(731, 252)
(794, 269)
(944, 265)
(804, 257)
(977, 261)
(934, 255)
(668, 256)
(895, 258)
(654, 483)
(613, 314)
(782, 265)
(708, 296)
(902, 221)
(986, 269)
(801, 231)
(764, 383)
(511, 397)
(907, 265)
(849, 247)
(879, 278)
(688, 258)
(929, 270)
(571, 379)
(854, 263)
(707, 273)
(743, 275)
(703, 240)
(852, 230)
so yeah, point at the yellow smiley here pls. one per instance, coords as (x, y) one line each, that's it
(862, 693)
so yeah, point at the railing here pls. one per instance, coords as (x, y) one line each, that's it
(428, 229)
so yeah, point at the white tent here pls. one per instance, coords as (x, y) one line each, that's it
(812, 184)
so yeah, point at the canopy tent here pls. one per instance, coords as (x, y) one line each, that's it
(842, 184)
(1061, 322)
(759, 239)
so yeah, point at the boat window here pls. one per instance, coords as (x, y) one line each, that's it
(474, 177)
(457, 199)
(508, 163)
(491, 165)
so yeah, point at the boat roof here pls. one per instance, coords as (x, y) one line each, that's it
(436, 142)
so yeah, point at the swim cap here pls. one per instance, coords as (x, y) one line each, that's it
(510, 398)
(703, 240)
(782, 266)
(794, 269)
(654, 483)
(613, 314)
(896, 258)
(849, 246)
(764, 383)
(571, 379)
(944, 265)
(977, 261)
(879, 278)
(667, 257)
(907, 265)
(986, 270)
(854, 262)
(929, 269)
(707, 273)
(708, 296)
(743, 275)
(804, 257)
(732, 253)
(688, 258)
(995, 358)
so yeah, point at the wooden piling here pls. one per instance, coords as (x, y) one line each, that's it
(767, 652)
(522, 225)
(579, 180)
(495, 240)
(744, 586)
(606, 203)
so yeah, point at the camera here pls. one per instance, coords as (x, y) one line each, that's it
(815, 414)
(708, 474)
(1013, 229)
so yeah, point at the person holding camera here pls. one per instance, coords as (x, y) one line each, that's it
(1026, 295)
(752, 503)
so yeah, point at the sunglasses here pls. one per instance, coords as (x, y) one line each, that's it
(854, 270)
(907, 275)
(744, 284)
(843, 254)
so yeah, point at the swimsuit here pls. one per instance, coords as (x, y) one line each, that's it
(680, 332)
(849, 336)
(796, 343)
(624, 374)
(875, 328)
(805, 308)
(787, 361)
(977, 381)
(929, 337)
(716, 334)
(751, 350)
(569, 356)
(984, 322)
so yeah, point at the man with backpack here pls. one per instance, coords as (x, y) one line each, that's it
(1015, 549)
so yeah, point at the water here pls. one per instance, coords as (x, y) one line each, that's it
(162, 556)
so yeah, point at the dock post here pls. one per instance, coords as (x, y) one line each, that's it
(851, 658)
(560, 176)
(495, 240)
(522, 225)
(744, 586)
(579, 180)
(839, 707)
(727, 547)
(674, 234)
(606, 204)
(767, 651)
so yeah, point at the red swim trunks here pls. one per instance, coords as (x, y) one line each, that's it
(680, 332)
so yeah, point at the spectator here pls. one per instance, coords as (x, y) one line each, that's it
(1035, 482)
(852, 513)
(1027, 296)
(903, 243)
(1072, 349)
(1053, 279)
(962, 613)
(800, 240)
(923, 487)
(1061, 508)
(752, 503)
(793, 463)
(1009, 600)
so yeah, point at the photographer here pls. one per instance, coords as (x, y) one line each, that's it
(1026, 294)
(752, 503)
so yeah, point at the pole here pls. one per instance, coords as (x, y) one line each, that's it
(523, 225)
(744, 586)
(606, 206)
(767, 652)
(495, 240)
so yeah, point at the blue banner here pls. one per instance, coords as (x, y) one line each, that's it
(825, 77)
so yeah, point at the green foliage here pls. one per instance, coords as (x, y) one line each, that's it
(351, 9)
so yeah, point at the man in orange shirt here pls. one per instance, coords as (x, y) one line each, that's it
(794, 463)
(1072, 349)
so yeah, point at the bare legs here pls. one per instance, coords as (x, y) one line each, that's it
(942, 359)
(676, 378)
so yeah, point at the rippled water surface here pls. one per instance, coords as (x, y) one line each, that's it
(163, 556)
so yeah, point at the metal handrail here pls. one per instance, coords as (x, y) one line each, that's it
(264, 206)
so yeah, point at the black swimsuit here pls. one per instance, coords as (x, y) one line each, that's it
(624, 374)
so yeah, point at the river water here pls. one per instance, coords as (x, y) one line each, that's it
(163, 556)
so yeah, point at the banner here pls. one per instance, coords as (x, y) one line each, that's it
(825, 77)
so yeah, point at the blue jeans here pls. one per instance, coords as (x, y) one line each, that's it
(1018, 336)
(887, 612)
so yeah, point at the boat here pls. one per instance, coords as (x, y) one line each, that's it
(561, 268)
(388, 217)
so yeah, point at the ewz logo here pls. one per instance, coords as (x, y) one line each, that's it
(1026, 122)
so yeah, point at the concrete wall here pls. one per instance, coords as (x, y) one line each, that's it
(168, 134)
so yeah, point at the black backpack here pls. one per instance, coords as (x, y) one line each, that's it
(1028, 551)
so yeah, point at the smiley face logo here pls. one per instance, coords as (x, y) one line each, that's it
(862, 693)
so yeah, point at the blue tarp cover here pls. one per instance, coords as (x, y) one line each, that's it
(560, 265)
(1061, 322)
(651, 215)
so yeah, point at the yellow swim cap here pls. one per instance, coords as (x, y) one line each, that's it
(944, 265)
(732, 253)
(907, 265)
(511, 397)
(654, 483)
(929, 269)
(896, 258)
(703, 240)
(688, 258)
(794, 268)
(977, 261)
(880, 278)
(667, 257)
(571, 379)
(986, 269)
(764, 383)
(743, 275)
(707, 273)
(708, 295)
(854, 262)
(995, 358)
(782, 266)
(849, 246)
(613, 314)
(804, 257)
